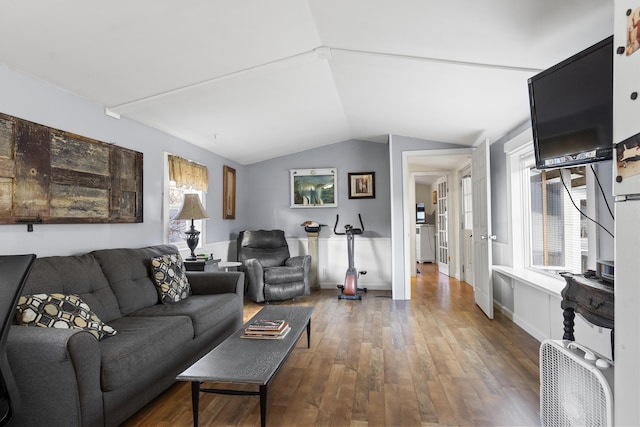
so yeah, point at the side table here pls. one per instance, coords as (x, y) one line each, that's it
(201, 265)
(226, 265)
(593, 299)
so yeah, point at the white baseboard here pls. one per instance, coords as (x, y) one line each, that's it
(529, 328)
(504, 310)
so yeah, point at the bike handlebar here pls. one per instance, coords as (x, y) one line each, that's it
(348, 228)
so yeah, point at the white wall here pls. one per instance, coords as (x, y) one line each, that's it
(627, 242)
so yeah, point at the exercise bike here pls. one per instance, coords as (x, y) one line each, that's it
(350, 288)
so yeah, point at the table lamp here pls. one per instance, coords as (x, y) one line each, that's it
(192, 209)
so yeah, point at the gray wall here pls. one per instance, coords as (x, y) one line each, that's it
(499, 199)
(39, 102)
(499, 207)
(268, 198)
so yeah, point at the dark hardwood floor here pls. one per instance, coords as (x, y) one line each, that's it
(434, 360)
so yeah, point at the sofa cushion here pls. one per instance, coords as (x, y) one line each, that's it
(170, 279)
(205, 311)
(143, 344)
(129, 274)
(60, 311)
(282, 291)
(283, 274)
(79, 275)
(267, 246)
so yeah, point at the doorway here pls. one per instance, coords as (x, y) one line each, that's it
(445, 162)
(426, 190)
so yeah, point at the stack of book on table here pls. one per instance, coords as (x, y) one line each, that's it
(267, 329)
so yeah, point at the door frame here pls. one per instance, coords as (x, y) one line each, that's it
(404, 239)
(412, 201)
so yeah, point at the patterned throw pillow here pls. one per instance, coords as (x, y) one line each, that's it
(170, 279)
(60, 311)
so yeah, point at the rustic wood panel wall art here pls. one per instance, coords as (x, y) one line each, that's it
(51, 176)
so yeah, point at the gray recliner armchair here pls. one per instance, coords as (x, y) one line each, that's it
(271, 273)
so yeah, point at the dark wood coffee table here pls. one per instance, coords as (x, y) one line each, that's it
(248, 361)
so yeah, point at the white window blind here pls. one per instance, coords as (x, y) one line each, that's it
(558, 233)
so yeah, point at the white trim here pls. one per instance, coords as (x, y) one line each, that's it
(593, 243)
(165, 191)
(407, 212)
(518, 141)
(548, 284)
(517, 202)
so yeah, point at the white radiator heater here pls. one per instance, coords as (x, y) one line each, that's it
(576, 386)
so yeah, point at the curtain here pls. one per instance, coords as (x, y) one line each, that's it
(186, 172)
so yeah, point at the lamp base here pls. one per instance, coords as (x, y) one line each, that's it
(193, 237)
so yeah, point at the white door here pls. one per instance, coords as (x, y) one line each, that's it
(482, 237)
(443, 226)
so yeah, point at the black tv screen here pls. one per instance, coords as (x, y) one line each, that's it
(572, 109)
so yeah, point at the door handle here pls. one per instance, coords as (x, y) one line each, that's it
(492, 237)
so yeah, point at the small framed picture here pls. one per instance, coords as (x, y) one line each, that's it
(229, 193)
(362, 185)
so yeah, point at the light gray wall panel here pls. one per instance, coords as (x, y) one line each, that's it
(268, 195)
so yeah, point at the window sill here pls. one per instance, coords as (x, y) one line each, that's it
(548, 284)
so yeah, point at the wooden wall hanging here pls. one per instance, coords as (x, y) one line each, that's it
(51, 176)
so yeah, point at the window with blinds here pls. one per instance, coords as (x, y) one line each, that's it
(558, 230)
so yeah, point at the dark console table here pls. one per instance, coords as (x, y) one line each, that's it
(201, 265)
(592, 298)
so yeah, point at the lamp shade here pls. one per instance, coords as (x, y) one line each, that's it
(192, 208)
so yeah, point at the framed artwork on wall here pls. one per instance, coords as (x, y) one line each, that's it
(362, 185)
(229, 193)
(314, 188)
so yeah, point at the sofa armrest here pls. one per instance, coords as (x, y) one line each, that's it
(216, 282)
(57, 372)
(303, 261)
(255, 282)
(298, 261)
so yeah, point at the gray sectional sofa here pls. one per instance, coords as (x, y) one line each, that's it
(67, 377)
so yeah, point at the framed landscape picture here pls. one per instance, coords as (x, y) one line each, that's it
(362, 185)
(314, 188)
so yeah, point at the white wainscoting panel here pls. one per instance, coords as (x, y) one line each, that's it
(372, 255)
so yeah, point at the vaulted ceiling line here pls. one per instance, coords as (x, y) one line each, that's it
(319, 52)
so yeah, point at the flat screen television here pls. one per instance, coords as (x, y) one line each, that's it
(572, 109)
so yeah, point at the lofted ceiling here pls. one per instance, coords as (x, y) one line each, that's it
(256, 79)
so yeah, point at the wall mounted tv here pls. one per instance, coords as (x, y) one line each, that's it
(572, 109)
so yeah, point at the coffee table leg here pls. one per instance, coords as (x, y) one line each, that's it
(263, 405)
(195, 401)
(309, 334)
